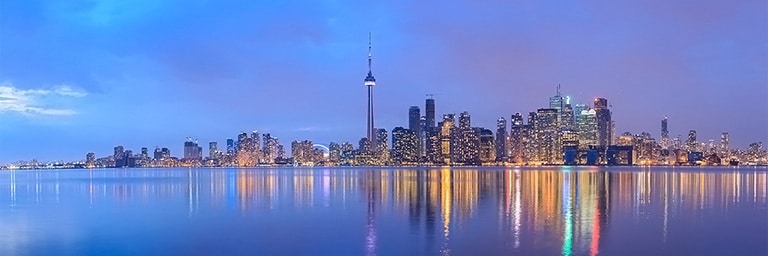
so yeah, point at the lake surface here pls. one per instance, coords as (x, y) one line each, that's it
(386, 211)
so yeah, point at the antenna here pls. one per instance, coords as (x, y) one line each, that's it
(430, 95)
(369, 52)
(558, 89)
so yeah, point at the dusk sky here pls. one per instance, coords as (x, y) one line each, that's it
(85, 76)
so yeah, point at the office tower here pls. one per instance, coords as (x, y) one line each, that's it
(423, 131)
(557, 102)
(230, 146)
(604, 123)
(465, 142)
(577, 114)
(241, 141)
(567, 117)
(546, 135)
(166, 153)
(447, 127)
(429, 111)
(369, 82)
(404, 146)
(516, 133)
(414, 113)
(213, 149)
(664, 134)
(587, 128)
(691, 142)
(725, 141)
(382, 147)
(191, 149)
(271, 149)
(433, 146)
(487, 150)
(347, 153)
(158, 153)
(144, 153)
(501, 140)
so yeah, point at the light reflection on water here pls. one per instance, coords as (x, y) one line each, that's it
(385, 211)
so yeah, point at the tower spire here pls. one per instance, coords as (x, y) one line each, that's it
(369, 53)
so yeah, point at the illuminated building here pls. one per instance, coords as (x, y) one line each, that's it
(516, 135)
(369, 82)
(381, 152)
(725, 149)
(90, 160)
(272, 149)
(192, 150)
(604, 123)
(302, 152)
(230, 146)
(404, 146)
(447, 127)
(334, 153)
(577, 113)
(414, 124)
(423, 133)
(465, 142)
(429, 112)
(213, 150)
(664, 134)
(433, 146)
(691, 142)
(487, 151)
(347, 153)
(144, 153)
(547, 141)
(557, 103)
(587, 128)
(501, 140)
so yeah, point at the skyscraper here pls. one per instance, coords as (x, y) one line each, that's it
(501, 139)
(516, 136)
(587, 128)
(369, 82)
(404, 146)
(230, 146)
(664, 134)
(691, 142)
(213, 149)
(557, 102)
(725, 141)
(547, 139)
(487, 150)
(447, 127)
(604, 123)
(429, 111)
(414, 113)
(191, 149)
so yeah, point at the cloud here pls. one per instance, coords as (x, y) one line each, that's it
(37, 101)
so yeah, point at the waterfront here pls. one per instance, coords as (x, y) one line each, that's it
(385, 211)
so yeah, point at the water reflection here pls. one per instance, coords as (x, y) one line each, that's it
(443, 211)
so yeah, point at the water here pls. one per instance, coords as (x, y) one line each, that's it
(385, 211)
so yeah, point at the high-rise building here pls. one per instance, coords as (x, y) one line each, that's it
(664, 134)
(404, 146)
(429, 112)
(90, 160)
(334, 153)
(725, 147)
(213, 149)
(587, 128)
(191, 149)
(501, 140)
(369, 82)
(567, 117)
(381, 152)
(557, 102)
(302, 152)
(422, 134)
(577, 112)
(144, 153)
(516, 135)
(691, 142)
(465, 142)
(230, 146)
(487, 150)
(547, 139)
(604, 123)
(447, 127)
(414, 113)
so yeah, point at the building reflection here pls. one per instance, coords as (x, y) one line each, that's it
(530, 207)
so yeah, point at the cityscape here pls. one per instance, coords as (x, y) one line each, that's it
(559, 133)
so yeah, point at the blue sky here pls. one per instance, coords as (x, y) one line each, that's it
(85, 76)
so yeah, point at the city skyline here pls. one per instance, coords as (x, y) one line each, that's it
(145, 92)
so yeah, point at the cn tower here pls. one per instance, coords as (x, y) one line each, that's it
(370, 81)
